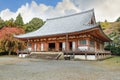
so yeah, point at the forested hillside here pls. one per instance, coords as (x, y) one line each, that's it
(112, 30)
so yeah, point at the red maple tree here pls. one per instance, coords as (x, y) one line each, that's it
(7, 42)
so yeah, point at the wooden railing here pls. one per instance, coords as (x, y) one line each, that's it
(86, 51)
(103, 51)
(23, 52)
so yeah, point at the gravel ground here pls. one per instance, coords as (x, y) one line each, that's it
(36, 69)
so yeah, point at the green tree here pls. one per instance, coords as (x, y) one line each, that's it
(104, 24)
(2, 23)
(10, 23)
(33, 25)
(10, 44)
(19, 21)
(113, 48)
(118, 19)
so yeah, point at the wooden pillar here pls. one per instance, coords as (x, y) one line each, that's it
(45, 46)
(38, 46)
(32, 46)
(95, 46)
(76, 44)
(66, 45)
(104, 55)
(56, 46)
(98, 56)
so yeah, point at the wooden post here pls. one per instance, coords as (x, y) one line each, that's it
(104, 55)
(38, 47)
(56, 46)
(85, 55)
(32, 46)
(45, 46)
(66, 45)
(95, 46)
(96, 57)
(76, 44)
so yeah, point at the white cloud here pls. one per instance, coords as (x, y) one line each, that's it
(104, 9)
(28, 11)
(110, 10)
(7, 14)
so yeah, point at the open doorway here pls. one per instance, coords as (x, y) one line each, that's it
(60, 46)
(51, 46)
(70, 45)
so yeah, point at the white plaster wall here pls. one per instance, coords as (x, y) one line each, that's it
(92, 48)
(87, 42)
(83, 48)
(35, 47)
(91, 57)
(23, 55)
(42, 47)
(46, 53)
(79, 57)
(29, 49)
(63, 45)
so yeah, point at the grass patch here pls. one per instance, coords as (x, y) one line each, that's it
(115, 60)
(112, 63)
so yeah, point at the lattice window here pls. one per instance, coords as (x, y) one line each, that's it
(83, 42)
(92, 43)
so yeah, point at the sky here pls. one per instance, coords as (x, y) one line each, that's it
(104, 9)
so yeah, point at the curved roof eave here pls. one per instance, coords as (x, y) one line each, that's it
(104, 34)
(85, 30)
(62, 25)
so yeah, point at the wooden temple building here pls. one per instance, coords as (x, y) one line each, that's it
(77, 34)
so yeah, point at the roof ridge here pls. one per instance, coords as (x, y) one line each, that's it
(72, 14)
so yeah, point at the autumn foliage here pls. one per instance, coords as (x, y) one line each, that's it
(10, 30)
(7, 41)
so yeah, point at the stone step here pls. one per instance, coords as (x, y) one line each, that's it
(46, 55)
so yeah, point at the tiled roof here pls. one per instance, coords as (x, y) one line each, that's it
(65, 24)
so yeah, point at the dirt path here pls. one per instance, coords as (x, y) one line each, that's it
(11, 60)
(36, 69)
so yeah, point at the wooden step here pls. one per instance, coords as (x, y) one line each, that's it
(45, 55)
